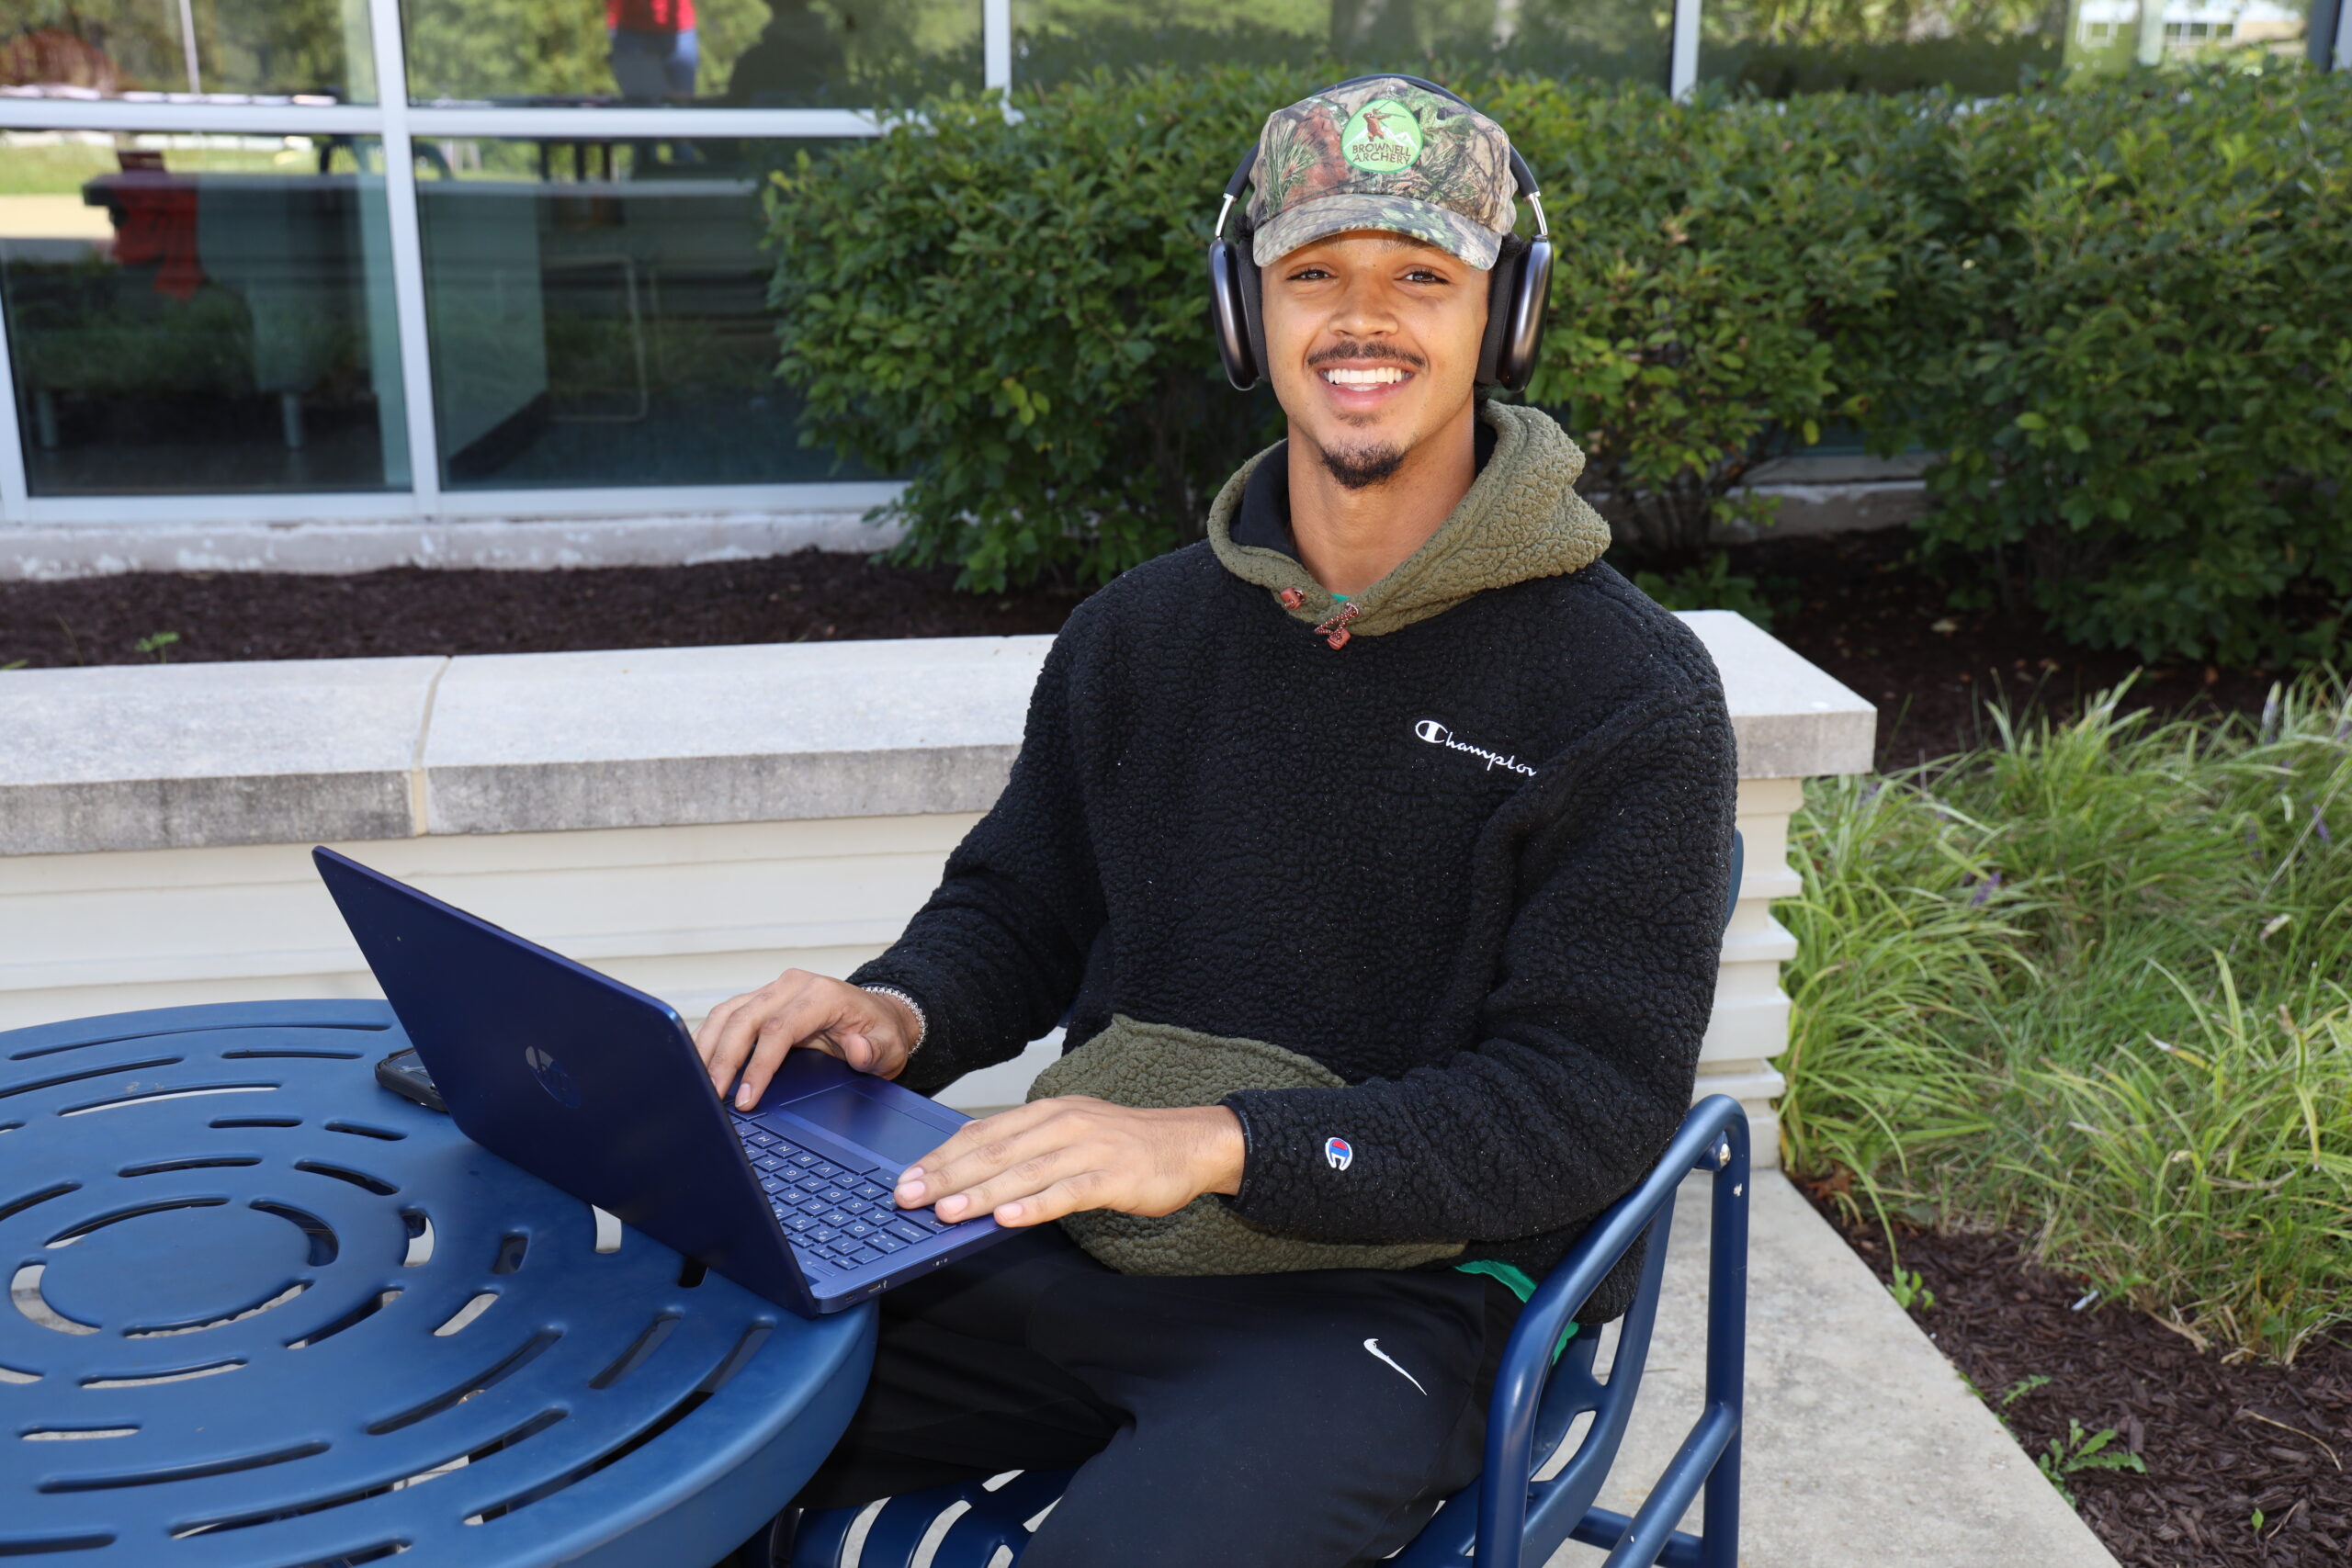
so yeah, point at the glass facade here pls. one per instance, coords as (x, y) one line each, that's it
(528, 272)
(313, 51)
(1977, 48)
(200, 312)
(707, 53)
(1611, 38)
(2112, 35)
(599, 316)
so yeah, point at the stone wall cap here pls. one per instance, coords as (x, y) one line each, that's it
(166, 756)
(759, 699)
(760, 732)
(1794, 718)
(139, 721)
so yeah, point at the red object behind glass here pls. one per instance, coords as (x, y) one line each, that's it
(650, 15)
(154, 220)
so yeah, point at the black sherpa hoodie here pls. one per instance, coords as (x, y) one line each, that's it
(1473, 860)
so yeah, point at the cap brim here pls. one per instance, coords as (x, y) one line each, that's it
(1339, 212)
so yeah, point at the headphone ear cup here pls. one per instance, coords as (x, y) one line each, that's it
(1531, 295)
(1231, 310)
(1502, 293)
(1252, 283)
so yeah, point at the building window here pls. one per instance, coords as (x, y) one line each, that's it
(697, 54)
(599, 315)
(290, 50)
(1614, 40)
(199, 312)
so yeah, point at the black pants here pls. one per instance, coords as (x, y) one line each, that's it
(1291, 1420)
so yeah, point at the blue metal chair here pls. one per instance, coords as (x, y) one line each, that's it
(1506, 1517)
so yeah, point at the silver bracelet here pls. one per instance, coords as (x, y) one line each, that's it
(922, 1021)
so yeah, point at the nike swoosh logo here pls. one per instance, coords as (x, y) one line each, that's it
(1373, 1345)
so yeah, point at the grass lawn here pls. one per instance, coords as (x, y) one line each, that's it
(2089, 983)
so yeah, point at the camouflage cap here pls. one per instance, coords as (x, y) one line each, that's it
(1382, 154)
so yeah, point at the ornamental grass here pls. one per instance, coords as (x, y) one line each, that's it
(2088, 983)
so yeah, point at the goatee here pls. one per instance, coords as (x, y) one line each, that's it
(1365, 466)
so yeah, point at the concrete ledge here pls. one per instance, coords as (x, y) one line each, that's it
(1807, 511)
(1795, 720)
(140, 757)
(182, 756)
(50, 552)
(774, 732)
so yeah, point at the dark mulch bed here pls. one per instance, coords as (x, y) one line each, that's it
(2220, 1439)
(1856, 605)
(1860, 606)
(805, 597)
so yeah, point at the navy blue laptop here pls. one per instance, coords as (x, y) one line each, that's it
(596, 1088)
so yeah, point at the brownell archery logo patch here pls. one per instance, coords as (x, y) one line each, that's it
(1382, 137)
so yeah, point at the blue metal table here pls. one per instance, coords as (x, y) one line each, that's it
(264, 1313)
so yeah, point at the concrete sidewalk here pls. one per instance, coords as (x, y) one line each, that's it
(1863, 1446)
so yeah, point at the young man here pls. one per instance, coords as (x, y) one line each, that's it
(1375, 852)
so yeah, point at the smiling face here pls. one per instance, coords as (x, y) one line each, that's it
(1373, 339)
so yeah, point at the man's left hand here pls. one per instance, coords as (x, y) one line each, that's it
(1057, 1156)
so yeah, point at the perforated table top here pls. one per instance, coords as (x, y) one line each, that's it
(265, 1313)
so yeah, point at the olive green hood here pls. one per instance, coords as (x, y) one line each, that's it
(1522, 518)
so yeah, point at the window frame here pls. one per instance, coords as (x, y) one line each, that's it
(399, 124)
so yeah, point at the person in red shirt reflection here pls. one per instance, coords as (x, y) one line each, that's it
(654, 52)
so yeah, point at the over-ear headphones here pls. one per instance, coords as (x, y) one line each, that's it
(1517, 286)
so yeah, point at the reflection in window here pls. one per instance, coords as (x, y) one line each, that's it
(718, 53)
(599, 316)
(1619, 40)
(2112, 35)
(199, 312)
(1977, 48)
(304, 49)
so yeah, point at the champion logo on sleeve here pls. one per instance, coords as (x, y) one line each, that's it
(1336, 1152)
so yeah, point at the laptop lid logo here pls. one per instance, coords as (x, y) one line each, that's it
(552, 1077)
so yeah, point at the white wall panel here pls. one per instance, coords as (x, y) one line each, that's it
(692, 914)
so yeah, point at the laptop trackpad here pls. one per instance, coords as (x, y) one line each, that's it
(859, 1119)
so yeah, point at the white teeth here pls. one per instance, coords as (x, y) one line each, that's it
(1386, 375)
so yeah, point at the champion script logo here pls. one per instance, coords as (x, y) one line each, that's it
(1437, 734)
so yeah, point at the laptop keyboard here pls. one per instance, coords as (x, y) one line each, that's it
(839, 1217)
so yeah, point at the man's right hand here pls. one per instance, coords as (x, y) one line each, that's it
(749, 1035)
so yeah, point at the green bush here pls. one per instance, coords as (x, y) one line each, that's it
(2089, 985)
(1014, 314)
(2131, 337)
(1721, 266)
(2123, 313)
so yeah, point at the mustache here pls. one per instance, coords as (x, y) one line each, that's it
(1388, 352)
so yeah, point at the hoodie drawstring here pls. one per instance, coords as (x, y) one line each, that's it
(1333, 631)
